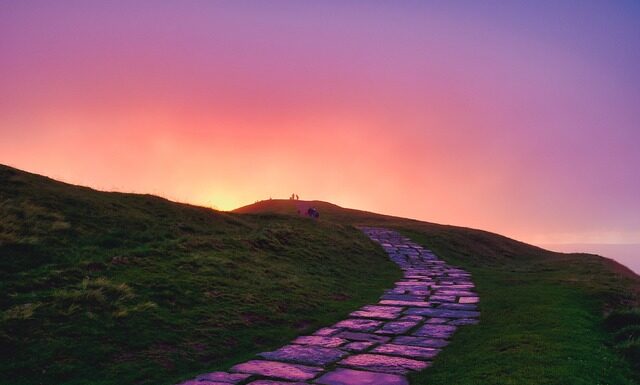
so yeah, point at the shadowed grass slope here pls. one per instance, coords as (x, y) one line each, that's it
(111, 288)
(543, 313)
(108, 288)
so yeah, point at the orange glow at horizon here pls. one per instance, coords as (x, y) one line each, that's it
(444, 113)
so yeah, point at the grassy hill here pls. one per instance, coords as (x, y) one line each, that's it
(110, 288)
(547, 318)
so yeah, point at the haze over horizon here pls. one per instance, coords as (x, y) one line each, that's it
(521, 119)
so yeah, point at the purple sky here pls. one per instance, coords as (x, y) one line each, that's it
(516, 117)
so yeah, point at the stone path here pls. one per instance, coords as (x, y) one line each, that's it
(378, 344)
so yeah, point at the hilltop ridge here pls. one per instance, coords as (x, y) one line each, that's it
(115, 288)
(488, 243)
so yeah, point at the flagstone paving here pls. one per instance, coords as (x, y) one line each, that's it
(378, 344)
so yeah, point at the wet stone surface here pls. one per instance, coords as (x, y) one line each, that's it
(363, 325)
(353, 336)
(469, 300)
(326, 332)
(420, 341)
(415, 318)
(395, 302)
(384, 363)
(327, 342)
(358, 346)
(437, 320)
(444, 313)
(397, 327)
(456, 292)
(417, 352)
(228, 378)
(458, 306)
(403, 297)
(381, 312)
(379, 343)
(464, 321)
(359, 377)
(435, 331)
(270, 382)
(442, 298)
(275, 369)
(305, 354)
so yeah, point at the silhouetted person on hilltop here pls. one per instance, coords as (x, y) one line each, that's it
(297, 197)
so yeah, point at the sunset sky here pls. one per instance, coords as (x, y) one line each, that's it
(517, 117)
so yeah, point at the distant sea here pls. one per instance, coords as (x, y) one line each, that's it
(626, 254)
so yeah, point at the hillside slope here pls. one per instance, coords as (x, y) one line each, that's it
(547, 318)
(111, 288)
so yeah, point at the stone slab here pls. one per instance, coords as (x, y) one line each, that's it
(412, 283)
(458, 306)
(380, 312)
(464, 321)
(281, 370)
(469, 300)
(325, 332)
(327, 342)
(456, 293)
(198, 382)
(435, 331)
(396, 327)
(229, 378)
(383, 363)
(403, 297)
(420, 341)
(417, 352)
(395, 302)
(438, 320)
(343, 376)
(354, 336)
(358, 346)
(305, 354)
(359, 324)
(443, 313)
(442, 298)
(270, 382)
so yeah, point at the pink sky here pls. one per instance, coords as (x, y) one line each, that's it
(515, 118)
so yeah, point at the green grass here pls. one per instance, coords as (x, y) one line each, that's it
(106, 288)
(541, 324)
(543, 313)
(625, 326)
